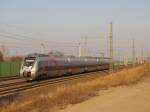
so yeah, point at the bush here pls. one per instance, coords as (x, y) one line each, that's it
(1, 56)
(16, 58)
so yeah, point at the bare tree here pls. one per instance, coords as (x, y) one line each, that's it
(16, 58)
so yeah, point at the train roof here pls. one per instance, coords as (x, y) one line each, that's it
(36, 55)
(47, 56)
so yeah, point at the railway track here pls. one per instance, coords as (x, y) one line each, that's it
(7, 78)
(12, 87)
(18, 87)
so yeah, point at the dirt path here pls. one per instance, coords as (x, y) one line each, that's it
(135, 98)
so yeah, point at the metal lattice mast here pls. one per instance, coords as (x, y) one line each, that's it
(133, 53)
(79, 50)
(42, 48)
(111, 48)
(84, 49)
(142, 56)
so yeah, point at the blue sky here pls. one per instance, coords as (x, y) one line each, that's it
(66, 21)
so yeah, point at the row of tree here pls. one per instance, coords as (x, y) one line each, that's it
(12, 58)
(50, 54)
(19, 58)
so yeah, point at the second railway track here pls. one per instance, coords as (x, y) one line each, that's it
(14, 88)
(7, 78)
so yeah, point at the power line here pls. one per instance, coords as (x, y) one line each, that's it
(9, 37)
(23, 40)
(32, 38)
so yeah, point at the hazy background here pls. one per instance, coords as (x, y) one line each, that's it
(60, 25)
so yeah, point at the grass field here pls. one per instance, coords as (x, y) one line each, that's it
(48, 100)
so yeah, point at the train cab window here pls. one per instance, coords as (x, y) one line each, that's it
(29, 61)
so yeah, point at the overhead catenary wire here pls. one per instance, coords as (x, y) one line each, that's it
(36, 39)
(15, 42)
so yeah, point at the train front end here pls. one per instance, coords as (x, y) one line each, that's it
(28, 68)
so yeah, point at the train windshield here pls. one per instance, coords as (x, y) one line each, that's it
(29, 61)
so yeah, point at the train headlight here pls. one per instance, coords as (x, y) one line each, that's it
(21, 73)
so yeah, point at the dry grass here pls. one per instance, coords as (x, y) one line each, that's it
(63, 95)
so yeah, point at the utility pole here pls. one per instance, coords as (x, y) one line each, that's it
(133, 53)
(42, 48)
(79, 50)
(142, 56)
(111, 48)
(85, 49)
(84, 42)
(102, 54)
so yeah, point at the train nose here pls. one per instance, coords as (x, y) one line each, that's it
(26, 71)
(27, 74)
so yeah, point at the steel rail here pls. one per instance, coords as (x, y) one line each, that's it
(6, 78)
(18, 87)
(26, 86)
